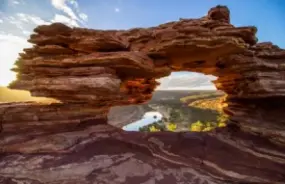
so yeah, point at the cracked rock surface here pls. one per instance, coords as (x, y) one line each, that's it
(90, 71)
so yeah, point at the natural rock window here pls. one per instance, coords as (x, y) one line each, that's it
(183, 101)
(90, 71)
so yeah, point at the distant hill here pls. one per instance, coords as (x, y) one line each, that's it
(201, 96)
(208, 100)
(9, 95)
(210, 103)
(176, 96)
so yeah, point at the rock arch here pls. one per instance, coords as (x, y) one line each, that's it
(91, 70)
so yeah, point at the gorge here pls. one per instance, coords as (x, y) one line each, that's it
(90, 71)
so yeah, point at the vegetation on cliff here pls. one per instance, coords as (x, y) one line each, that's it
(211, 101)
(203, 96)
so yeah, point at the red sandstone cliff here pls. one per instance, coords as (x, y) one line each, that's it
(91, 70)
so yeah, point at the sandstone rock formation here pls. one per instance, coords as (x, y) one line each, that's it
(91, 70)
(121, 116)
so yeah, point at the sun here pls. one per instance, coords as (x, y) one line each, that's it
(10, 47)
(6, 77)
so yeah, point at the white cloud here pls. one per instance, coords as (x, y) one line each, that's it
(10, 46)
(61, 5)
(83, 16)
(74, 3)
(15, 2)
(186, 81)
(24, 23)
(15, 21)
(65, 20)
(1, 21)
(27, 33)
(71, 9)
(117, 10)
(209, 87)
(31, 19)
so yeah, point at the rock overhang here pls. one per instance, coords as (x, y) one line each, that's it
(105, 68)
(91, 70)
(65, 58)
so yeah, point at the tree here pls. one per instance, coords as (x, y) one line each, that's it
(208, 126)
(200, 126)
(158, 125)
(144, 129)
(171, 127)
(153, 129)
(175, 116)
(196, 127)
(222, 120)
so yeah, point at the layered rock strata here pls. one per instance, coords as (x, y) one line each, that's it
(100, 63)
(100, 153)
(90, 71)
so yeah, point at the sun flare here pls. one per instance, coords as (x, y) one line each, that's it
(10, 47)
(7, 76)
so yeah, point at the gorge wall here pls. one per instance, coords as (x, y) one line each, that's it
(90, 71)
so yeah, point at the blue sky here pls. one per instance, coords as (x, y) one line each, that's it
(19, 17)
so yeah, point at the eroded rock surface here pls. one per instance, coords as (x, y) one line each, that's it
(90, 71)
(124, 63)
(100, 153)
(122, 115)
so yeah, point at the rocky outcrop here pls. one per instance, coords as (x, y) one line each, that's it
(99, 153)
(23, 118)
(91, 70)
(122, 115)
(122, 64)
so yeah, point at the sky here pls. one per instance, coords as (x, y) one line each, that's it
(18, 18)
